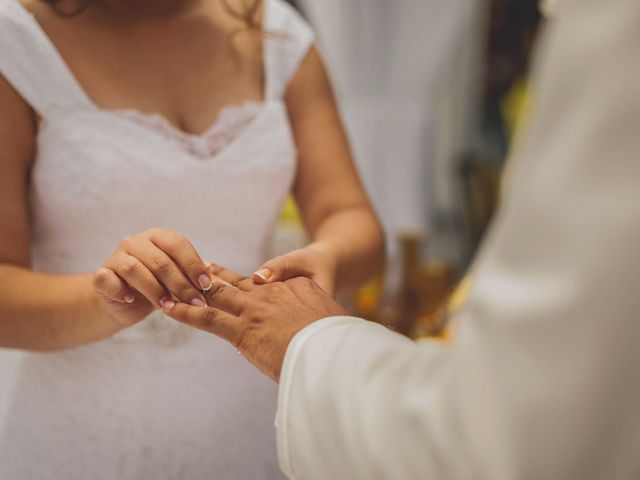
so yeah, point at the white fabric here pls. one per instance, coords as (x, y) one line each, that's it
(541, 378)
(158, 401)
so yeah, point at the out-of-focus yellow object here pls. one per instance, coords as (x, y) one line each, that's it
(290, 234)
(290, 212)
(516, 107)
(460, 295)
(456, 302)
(367, 299)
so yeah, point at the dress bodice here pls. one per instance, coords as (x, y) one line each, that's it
(101, 175)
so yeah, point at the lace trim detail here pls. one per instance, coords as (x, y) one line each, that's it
(231, 122)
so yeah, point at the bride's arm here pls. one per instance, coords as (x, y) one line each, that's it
(37, 311)
(336, 211)
(49, 312)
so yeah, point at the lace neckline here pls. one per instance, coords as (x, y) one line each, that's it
(230, 124)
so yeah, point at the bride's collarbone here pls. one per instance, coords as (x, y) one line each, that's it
(191, 101)
(186, 77)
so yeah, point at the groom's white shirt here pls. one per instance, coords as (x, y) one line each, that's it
(541, 380)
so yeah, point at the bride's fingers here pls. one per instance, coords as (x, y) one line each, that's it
(184, 255)
(139, 278)
(235, 279)
(167, 272)
(222, 324)
(108, 284)
(283, 268)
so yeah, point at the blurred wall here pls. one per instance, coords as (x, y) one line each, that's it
(407, 74)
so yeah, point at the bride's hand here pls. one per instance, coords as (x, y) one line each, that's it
(148, 270)
(314, 261)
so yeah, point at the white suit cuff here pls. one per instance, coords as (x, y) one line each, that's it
(286, 380)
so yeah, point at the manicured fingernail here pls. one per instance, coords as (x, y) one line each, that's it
(205, 282)
(129, 298)
(196, 302)
(168, 304)
(264, 274)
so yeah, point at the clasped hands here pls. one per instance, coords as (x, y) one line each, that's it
(258, 315)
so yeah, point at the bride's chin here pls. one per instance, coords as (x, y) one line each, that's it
(144, 3)
(148, 5)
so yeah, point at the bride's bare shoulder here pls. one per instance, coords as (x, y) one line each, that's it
(17, 123)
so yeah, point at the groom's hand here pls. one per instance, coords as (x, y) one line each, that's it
(259, 320)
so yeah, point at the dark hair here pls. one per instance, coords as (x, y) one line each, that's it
(249, 14)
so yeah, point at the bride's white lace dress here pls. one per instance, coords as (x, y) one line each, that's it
(157, 401)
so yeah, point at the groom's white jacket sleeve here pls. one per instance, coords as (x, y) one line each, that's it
(542, 378)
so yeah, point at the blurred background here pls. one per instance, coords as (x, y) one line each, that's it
(433, 94)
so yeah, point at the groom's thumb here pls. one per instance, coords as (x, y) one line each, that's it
(281, 268)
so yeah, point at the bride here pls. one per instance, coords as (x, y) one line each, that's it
(180, 119)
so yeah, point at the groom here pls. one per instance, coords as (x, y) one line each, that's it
(541, 378)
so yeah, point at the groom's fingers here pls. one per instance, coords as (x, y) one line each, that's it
(226, 297)
(221, 324)
(239, 281)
